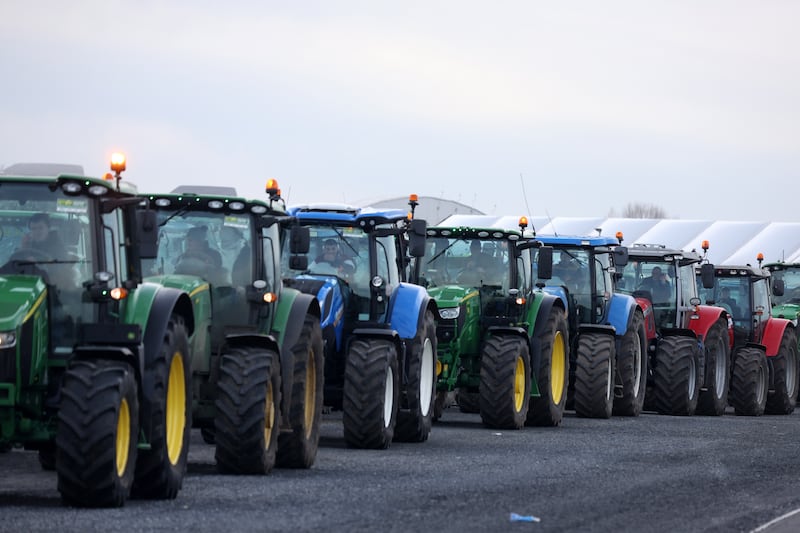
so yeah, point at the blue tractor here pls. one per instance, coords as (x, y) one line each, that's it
(608, 342)
(378, 329)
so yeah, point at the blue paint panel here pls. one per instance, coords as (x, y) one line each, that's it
(559, 292)
(406, 303)
(620, 310)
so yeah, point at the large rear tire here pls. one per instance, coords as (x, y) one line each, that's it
(676, 386)
(160, 470)
(415, 415)
(247, 421)
(553, 378)
(505, 388)
(749, 382)
(469, 401)
(781, 400)
(631, 376)
(371, 394)
(713, 399)
(298, 449)
(594, 375)
(98, 429)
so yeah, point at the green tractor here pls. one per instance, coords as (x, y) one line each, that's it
(502, 342)
(258, 364)
(93, 362)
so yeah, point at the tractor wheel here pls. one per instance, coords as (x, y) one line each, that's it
(247, 421)
(160, 470)
(298, 448)
(468, 401)
(749, 382)
(98, 429)
(416, 410)
(505, 389)
(631, 375)
(553, 378)
(371, 394)
(782, 399)
(594, 375)
(714, 399)
(676, 386)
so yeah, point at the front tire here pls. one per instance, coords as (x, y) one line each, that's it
(160, 470)
(98, 428)
(676, 385)
(415, 416)
(371, 394)
(714, 399)
(594, 375)
(553, 379)
(749, 382)
(298, 449)
(505, 382)
(781, 400)
(247, 419)
(632, 369)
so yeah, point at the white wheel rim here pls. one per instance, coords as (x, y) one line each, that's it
(609, 382)
(692, 377)
(388, 398)
(791, 371)
(720, 368)
(426, 377)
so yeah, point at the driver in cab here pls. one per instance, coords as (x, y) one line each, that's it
(333, 256)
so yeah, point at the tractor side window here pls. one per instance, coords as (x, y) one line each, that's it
(114, 252)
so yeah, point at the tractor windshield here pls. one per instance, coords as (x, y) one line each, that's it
(653, 279)
(45, 233)
(466, 261)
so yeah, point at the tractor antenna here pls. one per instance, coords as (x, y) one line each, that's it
(527, 207)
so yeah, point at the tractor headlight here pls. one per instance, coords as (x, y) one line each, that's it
(8, 339)
(450, 313)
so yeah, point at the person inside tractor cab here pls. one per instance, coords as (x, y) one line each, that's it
(726, 300)
(481, 267)
(332, 256)
(657, 284)
(41, 239)
(198, 258)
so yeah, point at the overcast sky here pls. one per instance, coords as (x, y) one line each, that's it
(691, 105)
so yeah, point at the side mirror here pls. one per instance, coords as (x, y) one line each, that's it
(298, 262)
(416, 237)
(147, 233)
(620, 256)
(707, 275)
(299, 240)
(544, 262)
(778, 287)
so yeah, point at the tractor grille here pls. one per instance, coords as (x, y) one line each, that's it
(8, 367)
(446, 330)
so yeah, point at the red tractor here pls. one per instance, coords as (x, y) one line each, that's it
(764, 376)
(688, 343)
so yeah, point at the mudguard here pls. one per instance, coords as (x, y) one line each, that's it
(559, 292)
(161, 302)
(707, 316)
(649, 318)
(406, 308)
(773, 334)
(289, 317)
(620, 312)
(378, 333)
(542, 305)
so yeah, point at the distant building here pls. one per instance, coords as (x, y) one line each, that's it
(430, 208)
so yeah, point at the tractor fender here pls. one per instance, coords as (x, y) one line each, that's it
(620, 312)
(773, 334)
(545, 306)
(649, 318)
(707, 316)
(596, 328)
(406, 308)
(290, 315)
(379, 333)
(165, 301)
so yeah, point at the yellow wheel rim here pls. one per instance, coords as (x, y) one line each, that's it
(269, 416)
(176, 408)
(519, 384)
(558, 368)
(123, 442)
(310, 404)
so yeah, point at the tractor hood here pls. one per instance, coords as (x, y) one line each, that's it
(451, 295)
(19, 296)
(788, 311)
(327, 289)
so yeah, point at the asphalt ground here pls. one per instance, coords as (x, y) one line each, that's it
(650, 473)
